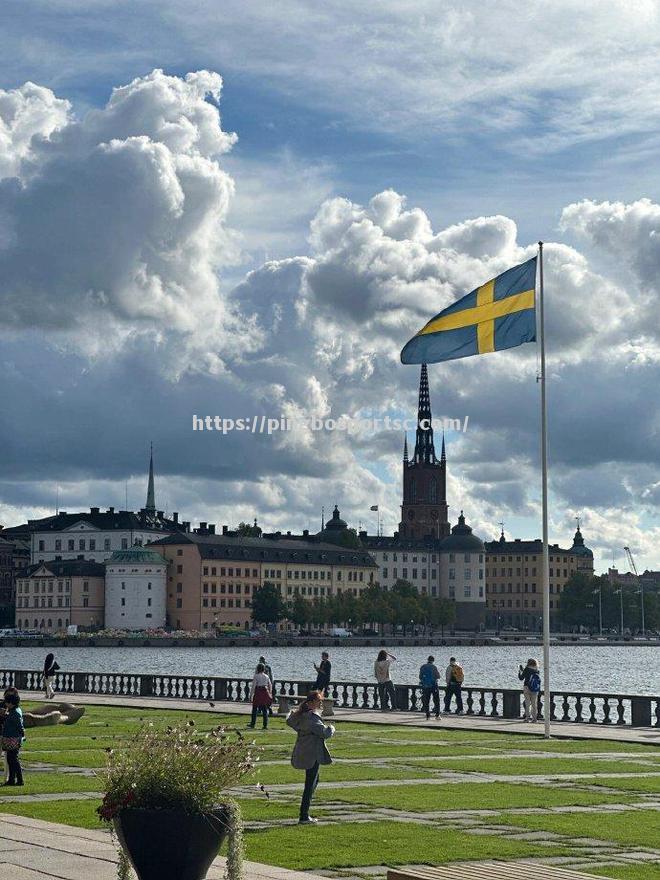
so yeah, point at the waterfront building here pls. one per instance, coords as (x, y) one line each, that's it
(135, 589)
(53, 595)
(95, 534)
(424, 507)
(211, 578)
(514, 595)
(6, 583)
(414, 560)
(462, 577)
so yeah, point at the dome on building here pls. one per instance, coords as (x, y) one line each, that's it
(335, 523)
(136, 555)
(579, 548)
(461, 539)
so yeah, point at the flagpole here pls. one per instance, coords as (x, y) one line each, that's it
(545, 565)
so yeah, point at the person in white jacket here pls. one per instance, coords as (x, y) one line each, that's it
(261, 695)
(385, 687)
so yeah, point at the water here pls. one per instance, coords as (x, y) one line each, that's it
(622, 670)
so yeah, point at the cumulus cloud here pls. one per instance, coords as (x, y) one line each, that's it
(29, 116)
(118, 226)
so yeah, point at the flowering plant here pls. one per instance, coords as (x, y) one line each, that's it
(178, 768)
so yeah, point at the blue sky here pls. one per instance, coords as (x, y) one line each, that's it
(149, 267)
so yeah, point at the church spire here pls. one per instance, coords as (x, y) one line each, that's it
(443, 456)
(424, 449)
(151, 494)
(405, 448)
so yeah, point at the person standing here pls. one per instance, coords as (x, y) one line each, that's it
(323, 673)
(50, 668)
(454, 677)
(310, 750)
(429, 675)
(13, 734)
(269, 672)
(386, 690)
(261, 695)
(531, 679)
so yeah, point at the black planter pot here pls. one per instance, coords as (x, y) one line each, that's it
(171, 844)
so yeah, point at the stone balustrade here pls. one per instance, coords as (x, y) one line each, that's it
(567, 706)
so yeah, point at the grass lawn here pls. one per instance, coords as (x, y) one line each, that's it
(411, 757)
(463, 796)
(638, 828)
(377, 843)
(643, 871)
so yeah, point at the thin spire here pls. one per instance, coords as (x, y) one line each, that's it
(443, 456)
(151, 494)
(405, 448)
(424, 449)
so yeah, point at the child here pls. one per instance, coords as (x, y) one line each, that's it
(261, 695)
(12, 737)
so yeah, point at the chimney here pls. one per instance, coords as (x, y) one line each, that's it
(202, 528)
(175, 517)
(111, 510)
(225, 530)
(186, 525)
(305, 533)
(159, 513)
(289, 533)
(211, 528)
(94, 509)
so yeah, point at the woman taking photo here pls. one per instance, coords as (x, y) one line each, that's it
(310, 750)
(385, 687)
(50, 668)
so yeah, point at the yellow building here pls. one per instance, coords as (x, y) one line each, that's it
(211, 578)
(514, 596)
(53, 595)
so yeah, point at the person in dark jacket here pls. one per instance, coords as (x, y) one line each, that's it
(529, 675)
(310, 750)
(50, 668)
(323, 673)
(4, 708)
(429, 674)
(13, 733)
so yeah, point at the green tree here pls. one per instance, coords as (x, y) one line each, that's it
(245, 530)
(300, 611)
(267, 604)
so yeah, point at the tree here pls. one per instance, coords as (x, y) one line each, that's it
(245, 530)
(300, 611)
(267, 604)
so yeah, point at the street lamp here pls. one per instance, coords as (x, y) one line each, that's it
(641, 593)
(600, 607)
(620, 592)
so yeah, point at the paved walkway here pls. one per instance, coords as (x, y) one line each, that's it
(567, 730)
(31, 849)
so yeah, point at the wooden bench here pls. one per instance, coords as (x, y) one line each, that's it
(496, 870)
(286, 703)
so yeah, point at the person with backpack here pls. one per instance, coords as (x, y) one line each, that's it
(13, 734)
(531, 679)
(454, 677)
(429, 675)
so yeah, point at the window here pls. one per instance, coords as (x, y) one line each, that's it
(179, 569)
(124, 543)
(179, 588)
(123, 601)
(452, 574)
(414, 574)
(452, 557)
(395, 573)
(179, 551)
(85, 601)
(81, 544)
(71, 544)
(468, 574)
(206, 570)
(85, 586)
(92, 544)
(106, 543)
(467, 591)
(42, 545)
(149, 602)
(405, 574)
(58, 544)
(179, 603)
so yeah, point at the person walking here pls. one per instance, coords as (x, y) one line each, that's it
(429, 675)
(269, 672)
(454, 677)
(50, 668)
(531, 679)
(386, 692)
(323, 673)
(310, 750)
(4, 708)
(13, 734)
(261, 695)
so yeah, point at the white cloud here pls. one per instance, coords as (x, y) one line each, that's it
(29, 116)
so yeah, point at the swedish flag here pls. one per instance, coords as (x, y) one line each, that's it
(499, 314)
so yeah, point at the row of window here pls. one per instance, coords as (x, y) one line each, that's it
(415, 572)
(43, 586)
(83, 544)
(44, 624)
(504, 572)
(404, 557)
(227, 588)
(46, 602)
(527, 588)
(508, 603)
(223, 603)
(467, 574)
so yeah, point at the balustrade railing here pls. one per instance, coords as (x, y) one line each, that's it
(566, 706)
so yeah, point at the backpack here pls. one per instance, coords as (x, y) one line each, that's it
(427, 676)
(457, 674)
(534, 683)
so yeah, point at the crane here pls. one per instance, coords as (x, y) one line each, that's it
(631, 561)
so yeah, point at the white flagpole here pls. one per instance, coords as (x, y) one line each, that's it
(545, 565)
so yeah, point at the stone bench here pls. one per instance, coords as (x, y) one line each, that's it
(496, 870)
(286, 702)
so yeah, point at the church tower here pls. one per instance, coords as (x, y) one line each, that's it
(424, 508)
(151, 494)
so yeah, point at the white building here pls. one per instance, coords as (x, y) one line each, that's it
(462, 575)
(135, 589)
(407, 559)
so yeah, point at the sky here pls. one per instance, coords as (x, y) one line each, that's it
(246, 210)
